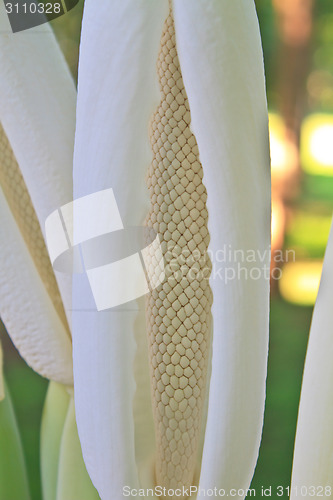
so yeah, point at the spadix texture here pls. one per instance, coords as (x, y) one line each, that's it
(37, 114)
(218, 45)
(178, 311)
(313, 454)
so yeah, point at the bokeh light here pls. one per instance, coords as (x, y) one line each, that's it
(317, 144)
(300, 282)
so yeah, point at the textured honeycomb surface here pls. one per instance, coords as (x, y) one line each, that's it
(178, 311)
(19, 201)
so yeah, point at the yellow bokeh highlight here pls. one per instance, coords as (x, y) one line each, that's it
(278, 150)
(300, 281)
(317, 144)
(277, 223)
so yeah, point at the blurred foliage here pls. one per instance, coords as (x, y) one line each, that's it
(318, 187)
(289, 327)
(308, 233)
(67, 30)
(268, 32)
(320, 80)
(309, 216)
(27, 391)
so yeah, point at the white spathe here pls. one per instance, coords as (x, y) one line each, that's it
(221, 60)
(313, 453)
(37, 112)
(119, 48)
(26, 308)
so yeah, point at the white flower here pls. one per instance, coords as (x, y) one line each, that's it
(220, 57)
(37, 113)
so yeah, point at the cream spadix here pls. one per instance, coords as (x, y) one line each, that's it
(221, 64)
(178, 312)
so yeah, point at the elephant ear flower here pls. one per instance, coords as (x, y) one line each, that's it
(185, 151)
(312, 468)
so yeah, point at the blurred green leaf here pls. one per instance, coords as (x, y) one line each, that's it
(13, 475)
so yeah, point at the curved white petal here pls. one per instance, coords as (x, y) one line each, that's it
(221, 60)
(313, 454)
(19, 202)
(117, 94)
(37, 111)
(37, 332)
